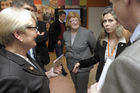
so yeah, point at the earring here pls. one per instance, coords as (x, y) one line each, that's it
(21, 40)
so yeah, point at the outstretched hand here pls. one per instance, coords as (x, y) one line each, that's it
(54, 71)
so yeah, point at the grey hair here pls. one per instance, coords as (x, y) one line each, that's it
(14, 19)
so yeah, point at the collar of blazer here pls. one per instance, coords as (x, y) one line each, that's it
(22, 62)
(138, 37)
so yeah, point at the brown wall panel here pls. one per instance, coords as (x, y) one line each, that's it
(97, 3)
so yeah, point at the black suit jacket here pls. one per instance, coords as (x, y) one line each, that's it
(42, 55)
(18, 76)
(54, 32)
(99, 56)
(0, 46)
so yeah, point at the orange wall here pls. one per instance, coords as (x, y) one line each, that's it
(97, 3)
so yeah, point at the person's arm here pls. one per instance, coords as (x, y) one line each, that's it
(84, 63)
(88, 62)
(92, 60)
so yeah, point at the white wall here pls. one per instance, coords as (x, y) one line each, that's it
(94, 16)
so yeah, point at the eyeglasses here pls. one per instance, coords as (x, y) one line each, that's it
(29, 9)
(74, 20)
(34, 28)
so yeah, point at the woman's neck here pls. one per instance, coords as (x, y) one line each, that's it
(112, 36)
(15, 49)
(113, 40)
(74, 31)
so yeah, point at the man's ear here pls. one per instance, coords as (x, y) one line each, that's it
(18, 36)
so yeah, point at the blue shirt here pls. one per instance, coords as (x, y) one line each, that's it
(135, 34)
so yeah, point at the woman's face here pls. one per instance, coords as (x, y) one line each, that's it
(109, 23)
(30, 35)
(74, 23)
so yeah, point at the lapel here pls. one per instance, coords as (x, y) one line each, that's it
(36, 64)
(22, 62)
(104, 48)
(77, 37)
(138, 37)
(69, 37)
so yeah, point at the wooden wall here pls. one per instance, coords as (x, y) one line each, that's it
(97, 3)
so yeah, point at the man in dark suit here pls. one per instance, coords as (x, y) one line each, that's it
(124, 73)
(0, 46)
(41, 50)
(56, 31)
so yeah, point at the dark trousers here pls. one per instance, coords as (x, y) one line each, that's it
(59, 49)
(59, 52)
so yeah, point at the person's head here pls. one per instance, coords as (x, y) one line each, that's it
(73, 21)
(17, 25)
(26, 4)
(110, 24)
(127, 12)
(4, 4)
(62, 15)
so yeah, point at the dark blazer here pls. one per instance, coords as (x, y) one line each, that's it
(99, 56)
(42, 55)
(18, 76)
(54, 32)
(0, 46)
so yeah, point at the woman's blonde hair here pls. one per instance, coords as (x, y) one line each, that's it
(69, 16)
(14, 19)
(119, 28)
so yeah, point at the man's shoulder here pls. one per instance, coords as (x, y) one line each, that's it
(124, 71)
(56, 22)
(130, 54)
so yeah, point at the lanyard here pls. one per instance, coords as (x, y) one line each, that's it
(112, 49)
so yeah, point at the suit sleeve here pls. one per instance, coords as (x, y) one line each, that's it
(123, 76)
(12, 84)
